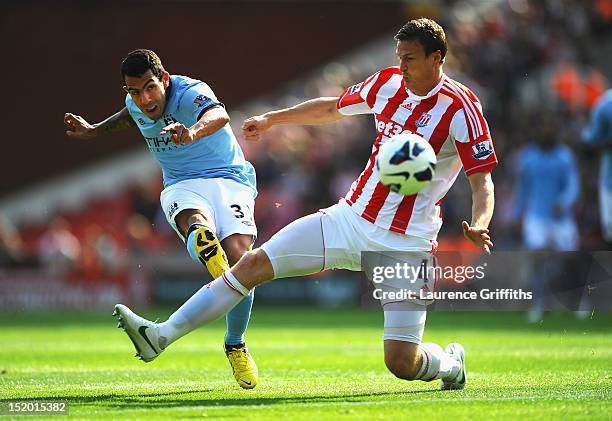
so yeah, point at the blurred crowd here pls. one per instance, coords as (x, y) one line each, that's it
(534, 64)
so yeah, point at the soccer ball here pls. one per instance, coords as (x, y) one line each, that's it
(406, 163)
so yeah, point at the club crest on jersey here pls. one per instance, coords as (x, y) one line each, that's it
(423, 120)
(482, 150)
(355, 88)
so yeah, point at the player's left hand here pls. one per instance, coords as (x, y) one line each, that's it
(180, 134)
(479, 236)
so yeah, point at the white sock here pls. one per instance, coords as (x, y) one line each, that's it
(206, 305)
(437, 364)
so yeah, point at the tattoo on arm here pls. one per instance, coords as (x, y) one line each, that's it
(117, 122)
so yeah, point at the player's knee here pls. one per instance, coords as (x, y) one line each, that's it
(252, 259)
(187, 217)
(254, 268)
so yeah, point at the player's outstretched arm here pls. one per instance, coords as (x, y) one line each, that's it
(78, 128)
(315, 111)
(209, 122)
(483, 202)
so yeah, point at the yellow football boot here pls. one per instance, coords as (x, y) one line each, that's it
(210, 252)
(243, 365)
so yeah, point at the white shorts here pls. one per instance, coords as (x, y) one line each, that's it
(230, 204)
(542, 234)
(347, 235)
(334, 238)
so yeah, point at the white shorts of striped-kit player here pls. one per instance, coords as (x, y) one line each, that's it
(334, 238)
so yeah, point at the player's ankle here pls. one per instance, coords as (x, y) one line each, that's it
(194, 227)
(229, 347)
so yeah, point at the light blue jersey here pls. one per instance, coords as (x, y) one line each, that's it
(214, 156)
(546, 178)
(599, 133)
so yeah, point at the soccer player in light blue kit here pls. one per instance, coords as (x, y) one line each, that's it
(209, 188)
(598, 134)
(547, 189)
(548, 184)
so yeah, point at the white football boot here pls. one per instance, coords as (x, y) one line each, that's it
(143, 333)
(456, 351)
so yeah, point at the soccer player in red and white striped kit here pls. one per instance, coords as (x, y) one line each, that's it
(417, 97)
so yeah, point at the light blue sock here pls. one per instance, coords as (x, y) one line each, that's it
(191, 247)
(238, 320)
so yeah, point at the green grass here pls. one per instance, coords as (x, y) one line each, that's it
(314, 364)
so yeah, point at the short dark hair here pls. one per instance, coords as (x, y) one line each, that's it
(139, 61)
(427, 32)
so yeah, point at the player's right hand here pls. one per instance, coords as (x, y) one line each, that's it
(479, 236)
(254, 126)
(78, 127)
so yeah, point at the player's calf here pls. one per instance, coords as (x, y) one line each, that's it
(402, 359)
(402, 369)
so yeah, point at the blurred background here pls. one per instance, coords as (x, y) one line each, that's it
(80, 221)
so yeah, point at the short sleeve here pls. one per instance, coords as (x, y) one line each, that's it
(198, 99)
(473, 141)
(353, 99)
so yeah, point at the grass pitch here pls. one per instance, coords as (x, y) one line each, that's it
(314, 364)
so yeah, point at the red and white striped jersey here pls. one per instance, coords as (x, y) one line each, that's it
(449, 117)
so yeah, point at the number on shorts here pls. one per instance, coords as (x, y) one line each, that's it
(237, 211)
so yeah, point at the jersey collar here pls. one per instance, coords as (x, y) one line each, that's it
(414, 97)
